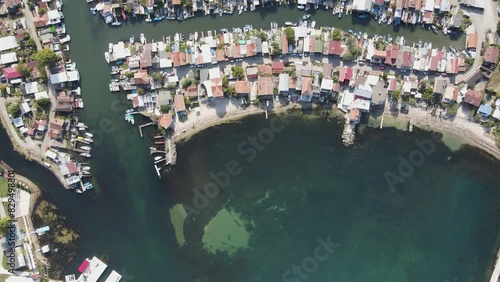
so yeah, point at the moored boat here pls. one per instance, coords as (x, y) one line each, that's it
(143, 39)
(290, 24)
(86, 148)
(88, 134)
(86, 155)
(78, 191)
(106, 56)
(88, 140)
(306, 16)
(157, 158)
(132, 39)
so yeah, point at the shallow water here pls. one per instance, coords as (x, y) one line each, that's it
(303, 187)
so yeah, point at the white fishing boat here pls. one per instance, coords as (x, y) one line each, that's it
(313, 24)
(78, 191)
(81, 124)
(85, 155)
(177, 37)
(290, 24)
(116, 23)
(143, 39)
(196, 36)
(157, 158)
(86, 148)
(106, 56)
(306, 16)
(132, 39)
(110, 48)
(301, 7)
(88, 140)
(85, 168)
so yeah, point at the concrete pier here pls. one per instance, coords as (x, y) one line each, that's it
(144, 125)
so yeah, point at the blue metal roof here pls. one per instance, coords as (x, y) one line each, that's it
(485, 109)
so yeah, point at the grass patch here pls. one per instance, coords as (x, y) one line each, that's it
(3, 187)
(494, 83)
(3, 277)
(4, 263)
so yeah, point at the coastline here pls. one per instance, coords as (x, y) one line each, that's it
(418, 117)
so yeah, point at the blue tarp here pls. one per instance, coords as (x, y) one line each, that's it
(485, 109)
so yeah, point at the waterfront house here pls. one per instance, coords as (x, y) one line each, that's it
(283, 83)
(326, 86)
(450, 94)
(379, 94)
(278, 67)
(362, 5)
(180, 106)
(265, 87)
(335, 48)
(145, 57)
(64, 103)
(60, 79)
(164, 97)
(284, 45)
(472, 40)
(490, 57)
(354, 116)
(439, 87)
(214, 88)
(473, 98)
(141, 78)
(485, 111)
(56, 128)
(405, 60)
(165, 121)
(391, 54)
(242, 88)
(306, 89)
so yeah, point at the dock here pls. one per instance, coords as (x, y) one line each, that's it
(144, 125)
(83, 141)
(171, 151)
(158, 171)
(113, 277)
(153, 150)
(91, 270)
(382, 122)
(160, 160)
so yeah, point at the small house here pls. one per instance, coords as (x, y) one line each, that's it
(265, 88)
(473, 98)
(180, 105)
(242, 88)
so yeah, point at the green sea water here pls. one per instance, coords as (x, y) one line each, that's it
(302, 187)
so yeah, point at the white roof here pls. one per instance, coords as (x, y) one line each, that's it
(214, 72)
(54, 16)
(7, 43)
(41, 95)
(51, 155)
(362, 5)
(496, 114)
(208, 87)
(406, 87)
(265, 47)
(372, 79)
(300, 32)
(327, 84)
(362, 104)
(306, 44)
(205, 53)
(67, 76)
(119, 51)
(25, 108)
(173, 79)
(302, 2)
(113, 277)
(94, 271)
(31, 87)
(429, 5)
(283, 82)
(364, 91)
(347, 99)
(165, 63)
(8, 58)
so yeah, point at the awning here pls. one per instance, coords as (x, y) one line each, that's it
(84, 265)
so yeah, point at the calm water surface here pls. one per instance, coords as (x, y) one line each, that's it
(441, 223)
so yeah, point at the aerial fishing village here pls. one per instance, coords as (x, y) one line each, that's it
(41, 98)
(171, 80)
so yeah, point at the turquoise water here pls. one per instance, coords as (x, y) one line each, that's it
(441, 223)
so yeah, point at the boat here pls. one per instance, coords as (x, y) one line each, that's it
(350, 31)
(78, 191)
(81, 124)
(301, 7)
(88, 140)
(132, 39)
(110, 48)
(85, 168)
(89, 135)
(240, 11)
(340, 15)
(306, 16)
(115, 72)
(196, 36)
(86, 155)
(143, 39)
(129, 111)
(445, 30)
(116, 23)
(106, 56)
(186, 15)
(313, 24)
(46, 164)
(86, 148)
(434, 28)
(157, 158)
(87, 186)
(190, 37)
(93, 11)
(290, 24)
(148, 19)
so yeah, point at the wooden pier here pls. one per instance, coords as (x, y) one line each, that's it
(144, 125)
(83, 141)
(158, 171)
(161, 160)
(382, 122)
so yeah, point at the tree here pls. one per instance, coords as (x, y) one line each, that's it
(275, 49)
(157, 76)
(164, 109)
(46, 57)
(3, 89)
(290, 34)
(140, 91)
(13, 108)
(42, 11)
(238, 72)
(452, 109)
(186, 82)
(428, 95)
(24, 69)
(336, 34)
(4, 226)
(43, 104)
(395, 95)
(262, 35)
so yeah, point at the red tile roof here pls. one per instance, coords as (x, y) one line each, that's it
(265, 86)
(334, 48)
(11, 73)
(242, 87)
(165, 120)
(284, 45)
(179, 104)
(473, 97)
(278, 67)
(306, 86)
(491, 55)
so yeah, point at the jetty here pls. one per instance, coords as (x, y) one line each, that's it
(154, 150)
(142, 126)
(171, 151)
